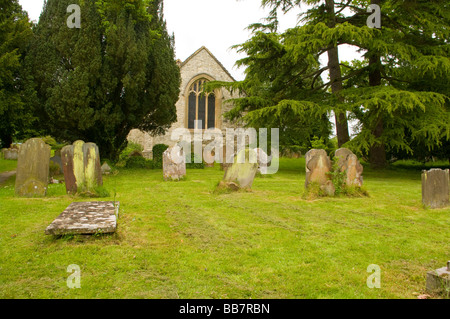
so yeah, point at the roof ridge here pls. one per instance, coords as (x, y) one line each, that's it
(212, 55)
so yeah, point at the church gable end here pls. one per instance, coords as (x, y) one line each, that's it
(200, 67)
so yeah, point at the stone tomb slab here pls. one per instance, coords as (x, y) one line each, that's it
(86, 218)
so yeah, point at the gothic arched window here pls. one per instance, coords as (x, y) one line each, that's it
(201, 106)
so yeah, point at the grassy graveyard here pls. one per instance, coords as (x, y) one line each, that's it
(182, 240)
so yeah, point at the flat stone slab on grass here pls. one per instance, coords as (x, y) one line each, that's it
(439, 280)
(86, 218)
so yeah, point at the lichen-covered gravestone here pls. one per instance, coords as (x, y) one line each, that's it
(10, 154)
(349, 163)
(174, 164)
(438, 280)
(86, 218)
(318, 165)
(241, 173)
(81, 166)
(33, 168)
(435, 188)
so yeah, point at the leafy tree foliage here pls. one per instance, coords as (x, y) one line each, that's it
(385, 92)
(115, 73)
(274, 95)
(15, 33)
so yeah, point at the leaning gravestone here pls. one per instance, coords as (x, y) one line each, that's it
(318, 165)
(81, 166)
(174, 164)
(86, 218)
(33, 168)
(435, 188)
(241, 173)
(349, 163)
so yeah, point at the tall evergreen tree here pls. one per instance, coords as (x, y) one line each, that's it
(15, 33)
(115, 73)
(273, 95)
(379, 90)
(394, 113)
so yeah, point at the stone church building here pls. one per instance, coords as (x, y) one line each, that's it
(200, 67)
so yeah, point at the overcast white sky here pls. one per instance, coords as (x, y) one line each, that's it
(216, 24)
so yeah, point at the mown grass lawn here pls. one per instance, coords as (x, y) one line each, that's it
(179, 240)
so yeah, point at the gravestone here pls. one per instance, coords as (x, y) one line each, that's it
(318, 165)
(349, 163)
(33, 168)
(174, 164)
(86, 218)
(438, 280)
(241, 173)
(263, 160)
(209, 158)
(106, 169)
(11, 154)
(81, 166)
(435, 188)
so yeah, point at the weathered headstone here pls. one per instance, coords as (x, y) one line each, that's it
(318, 165)
(349, 163)
(10, 154)
(86, 218)
(33, 168)
(81, 166)
(241, 173)
(438, 280)
(209, 158)
(106, 169)
(435, 188)
(174, 164)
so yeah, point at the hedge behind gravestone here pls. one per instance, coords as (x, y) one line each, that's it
(158, 151)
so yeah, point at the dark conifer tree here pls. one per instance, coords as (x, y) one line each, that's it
(115, 73)
(15, 33)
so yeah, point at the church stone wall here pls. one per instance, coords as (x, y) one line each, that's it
(201, 63)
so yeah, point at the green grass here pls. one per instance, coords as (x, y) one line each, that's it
(7, 165)
(180, 240)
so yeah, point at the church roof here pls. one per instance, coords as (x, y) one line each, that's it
(212, 55)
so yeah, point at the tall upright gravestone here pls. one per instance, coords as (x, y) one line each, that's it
(435, 188)
(81, 166)
(349, 163)
(33, 168)
(174, 164)
(318, 165)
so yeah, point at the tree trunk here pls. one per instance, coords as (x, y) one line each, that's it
(336, 82)
(5, 141)
(377, 152)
